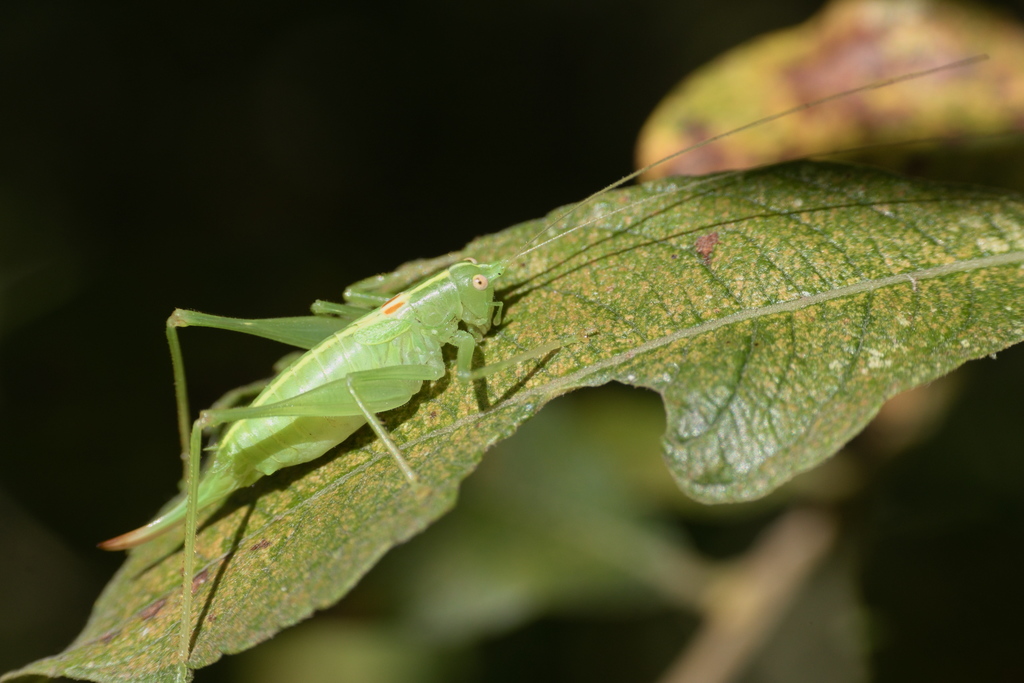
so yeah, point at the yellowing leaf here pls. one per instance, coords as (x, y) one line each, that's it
(848, 44)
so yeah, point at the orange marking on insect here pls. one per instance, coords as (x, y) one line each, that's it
(393, 304)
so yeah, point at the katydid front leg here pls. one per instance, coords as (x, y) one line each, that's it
(466, 344)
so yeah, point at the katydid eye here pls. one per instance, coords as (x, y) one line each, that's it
(480, 282)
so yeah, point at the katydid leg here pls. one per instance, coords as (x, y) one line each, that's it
(365, 298)
(381, 389)
(466, 344)
(245, 393)
(189, 568)
(535, 352)
(304, 332)
(353, 382)
(362, 393)
(239, 395)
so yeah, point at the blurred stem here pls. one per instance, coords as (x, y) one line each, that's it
(743, 605)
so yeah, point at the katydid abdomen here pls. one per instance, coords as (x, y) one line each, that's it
(257, 447)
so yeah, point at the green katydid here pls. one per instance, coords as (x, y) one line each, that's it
(352, 369)
(357, 363)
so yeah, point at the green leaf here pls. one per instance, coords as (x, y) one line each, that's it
(774, 310)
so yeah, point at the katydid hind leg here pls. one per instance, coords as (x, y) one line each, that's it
(303, 332)
(245, 393)
(133, 538)
(384, 386)
(239, 395)
(381, 389)
(368, 298)
(189, 561)
(362, 393)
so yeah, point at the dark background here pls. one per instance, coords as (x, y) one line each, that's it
(245, 159)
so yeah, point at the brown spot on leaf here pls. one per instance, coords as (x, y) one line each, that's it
(264, 543)
(705, 246)
(199, 579)
(152, 609)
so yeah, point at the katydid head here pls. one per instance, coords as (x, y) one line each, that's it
(475, 283)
